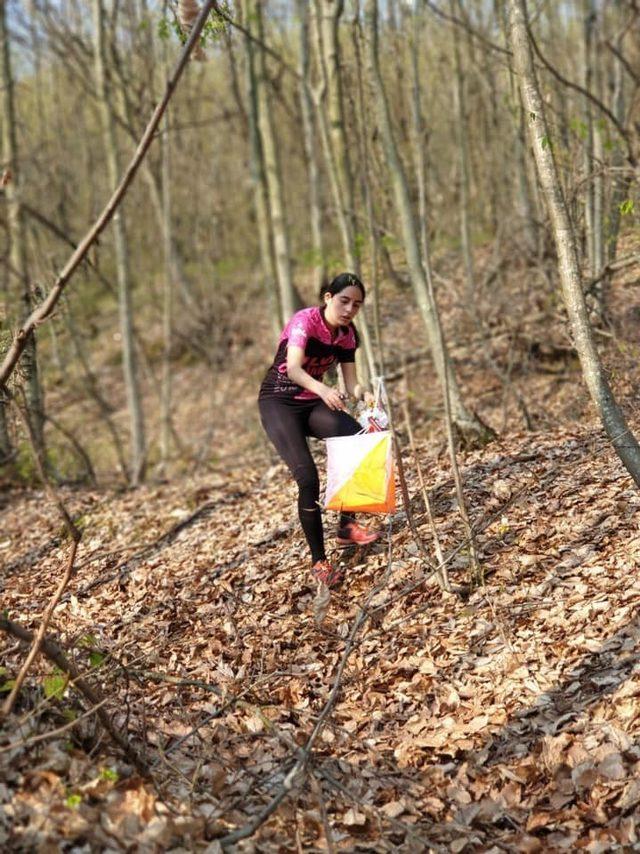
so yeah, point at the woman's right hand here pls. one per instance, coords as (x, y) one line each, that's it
(332, 398)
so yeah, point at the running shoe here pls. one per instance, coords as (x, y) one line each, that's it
(330, 575)
(356, 535)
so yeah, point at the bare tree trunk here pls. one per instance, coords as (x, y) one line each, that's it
(463, 156)
(620, 185)
(260, 191)
(467, 422)
(365, 172)
(18, 264)
(167, 292)
(138, 449)
(288, 302)
(306, 105)
(588, 160)
(329, 13)
(610, 414)
(91, 386)
(6, 448)
(326, 18)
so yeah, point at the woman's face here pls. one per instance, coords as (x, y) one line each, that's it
(343, 307)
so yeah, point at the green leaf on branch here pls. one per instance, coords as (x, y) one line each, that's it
(627, 207)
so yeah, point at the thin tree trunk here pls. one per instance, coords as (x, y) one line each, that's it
(288, 302)
(91, 386)
(260, 191)
(462, 134)
(18, 263)
(306, 107)
(329, 14)
(620, 184)
(612, 418)
(467, 422)
(588, 161)
(134, 402)
(6, 448)
(332, 129)
(167, 293)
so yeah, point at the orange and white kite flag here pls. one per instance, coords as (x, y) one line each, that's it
(360, 473)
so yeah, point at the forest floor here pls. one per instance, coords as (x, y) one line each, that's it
(502, 719)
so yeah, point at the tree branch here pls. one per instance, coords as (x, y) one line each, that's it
(45, 309)
(54, 653)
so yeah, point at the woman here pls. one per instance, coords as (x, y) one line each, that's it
(294, 404)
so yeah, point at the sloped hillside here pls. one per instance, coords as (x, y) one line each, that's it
(393, 717)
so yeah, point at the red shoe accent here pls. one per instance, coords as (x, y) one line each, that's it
(324, 572)
(355, 534)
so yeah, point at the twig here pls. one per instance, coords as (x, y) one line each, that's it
(401, 826)
(232, 701)
(55, 654)
(442, 573)
(75, 536)
(174, 680)
(54, 732)
(317, 788)
(304, 754)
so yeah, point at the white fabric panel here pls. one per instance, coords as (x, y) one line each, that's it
(344, 455)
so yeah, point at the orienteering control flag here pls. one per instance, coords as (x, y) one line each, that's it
(360, 473)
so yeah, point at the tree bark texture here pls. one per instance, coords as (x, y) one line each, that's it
(17, 234)
(464, 420)
(272, 167)
(330, 108)
(259, 184)
(612, 418)
(132, 385)
(310, 147)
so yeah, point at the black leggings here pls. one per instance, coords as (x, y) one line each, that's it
(287, 423)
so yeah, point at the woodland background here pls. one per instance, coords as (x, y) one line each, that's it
(308, 138)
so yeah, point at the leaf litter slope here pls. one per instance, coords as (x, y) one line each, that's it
(506, 719)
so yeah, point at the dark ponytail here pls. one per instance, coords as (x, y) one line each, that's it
(342, 281)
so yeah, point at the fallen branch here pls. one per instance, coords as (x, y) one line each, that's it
(39, 635)
(75, 537)
(55, 654)
(29, 742)
(304, 753)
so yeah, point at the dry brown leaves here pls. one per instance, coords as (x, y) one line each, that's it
(509, 719)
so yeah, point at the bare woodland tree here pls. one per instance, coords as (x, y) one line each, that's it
(18, 266)
(259, 182)
(132, 383)
(311, 151)
(543, 142)
(465, 421)
(330, 106)
(272, 166)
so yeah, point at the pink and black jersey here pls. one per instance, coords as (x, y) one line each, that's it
(322, 348)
